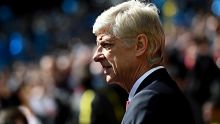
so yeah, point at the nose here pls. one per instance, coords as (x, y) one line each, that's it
(98, 56)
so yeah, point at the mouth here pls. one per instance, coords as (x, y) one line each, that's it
(106, 66)
(106, 69)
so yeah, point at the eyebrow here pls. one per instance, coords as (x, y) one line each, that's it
(108, 40)
(102, 42)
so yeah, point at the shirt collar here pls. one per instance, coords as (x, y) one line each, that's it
(140, 80)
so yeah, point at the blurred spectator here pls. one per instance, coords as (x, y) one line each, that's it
(12, 116)
(216, 50)
(205, 71)
(211, 108)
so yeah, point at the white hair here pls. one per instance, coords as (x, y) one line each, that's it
(131, 18)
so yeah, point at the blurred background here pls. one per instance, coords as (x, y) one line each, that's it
(46, 68)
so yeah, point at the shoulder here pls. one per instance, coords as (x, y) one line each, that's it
(153, 97)
(160, 94)
(156, 102)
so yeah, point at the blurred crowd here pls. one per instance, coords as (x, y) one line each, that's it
(47, 71)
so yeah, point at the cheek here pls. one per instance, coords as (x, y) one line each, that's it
(118, 59)
(109, 56)
(118, 66)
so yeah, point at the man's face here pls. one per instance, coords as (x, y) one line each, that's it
(115, 57)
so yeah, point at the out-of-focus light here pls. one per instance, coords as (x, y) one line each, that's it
(95, 68)
(169, 9)
(5, 13)
(216, 7)
(46, 62)
(70, 6)
(16, 43)
(63, 62)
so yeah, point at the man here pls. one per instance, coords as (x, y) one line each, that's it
(130, 45)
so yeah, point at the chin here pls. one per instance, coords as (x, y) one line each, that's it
(109, 80)
(110, 83)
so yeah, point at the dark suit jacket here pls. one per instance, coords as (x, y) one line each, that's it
(158, 100)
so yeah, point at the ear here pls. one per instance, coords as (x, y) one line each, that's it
(141, 45)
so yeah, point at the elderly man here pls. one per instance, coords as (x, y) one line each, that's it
(130, 45)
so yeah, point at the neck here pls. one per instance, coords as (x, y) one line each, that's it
(137, 73)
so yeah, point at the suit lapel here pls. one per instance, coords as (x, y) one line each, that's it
(160, 74)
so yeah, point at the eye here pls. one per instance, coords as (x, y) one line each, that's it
(106, 45)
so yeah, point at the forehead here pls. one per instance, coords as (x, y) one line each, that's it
(103, 33)
(103, 36)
